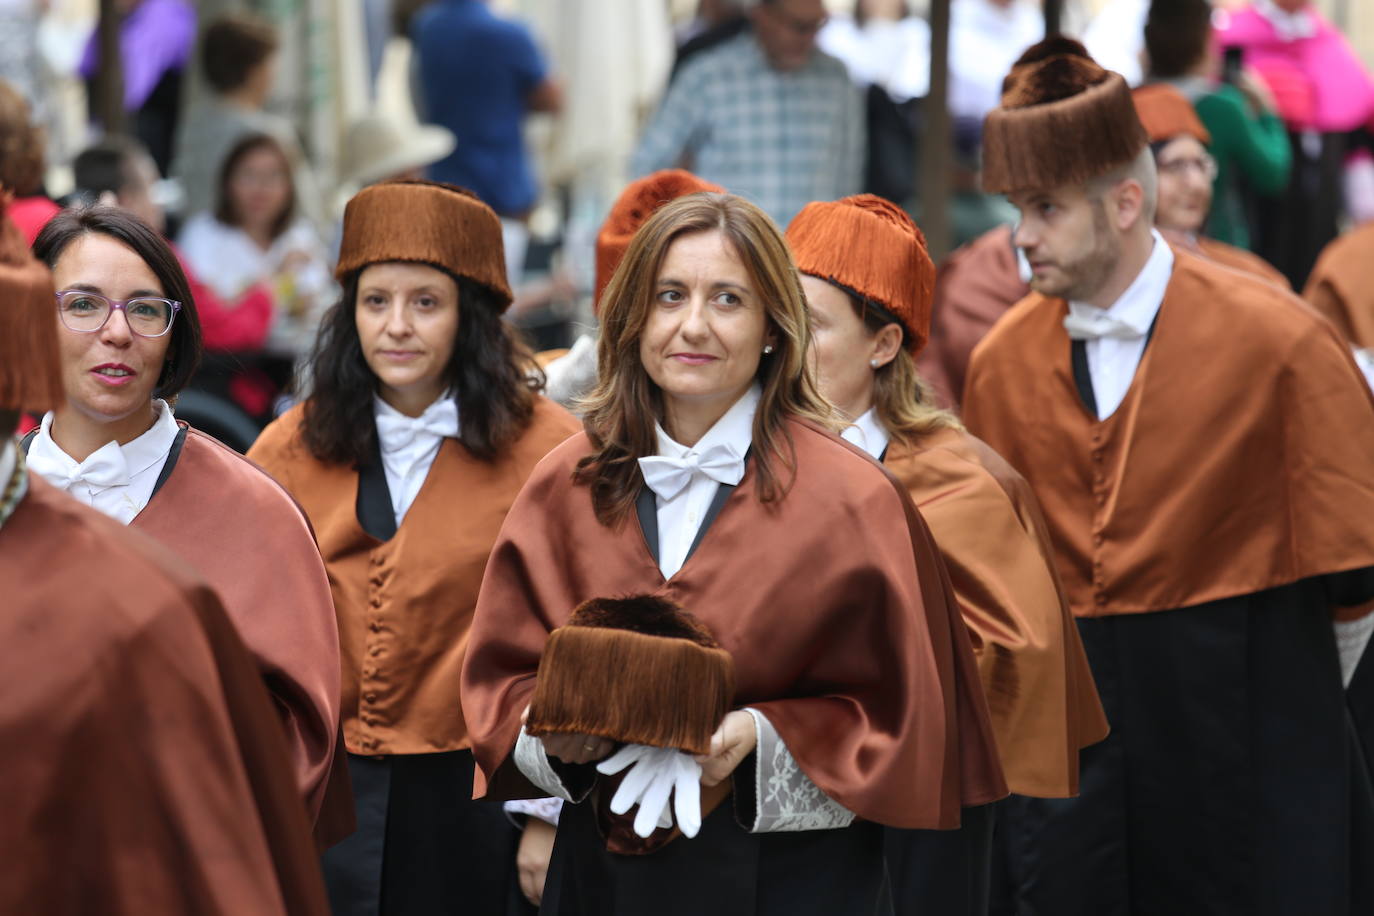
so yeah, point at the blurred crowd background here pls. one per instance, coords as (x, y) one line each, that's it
(242, 128)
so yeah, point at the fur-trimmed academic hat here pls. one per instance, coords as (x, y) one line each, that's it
(638, 670)
(30, 369)
(1166, 113)
(631, 210)
(869, 247)
(427, 222)
(1063, 120)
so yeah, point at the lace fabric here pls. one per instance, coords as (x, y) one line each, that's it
(787, 799)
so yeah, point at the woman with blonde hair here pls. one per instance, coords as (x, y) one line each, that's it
(871, 316)
(728, 601)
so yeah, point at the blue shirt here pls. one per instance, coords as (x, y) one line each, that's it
(475, 73)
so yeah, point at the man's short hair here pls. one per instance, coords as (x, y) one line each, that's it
(1177, 33)
(232, 47)
(107, 166)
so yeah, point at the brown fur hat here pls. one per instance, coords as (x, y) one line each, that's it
(870, 247)
(30, 369)
(1166, 113)
(1063, 120)
(631, 210)
(428, 222)
(639, 670)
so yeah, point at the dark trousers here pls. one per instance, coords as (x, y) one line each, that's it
(942, 871)
(423, 847)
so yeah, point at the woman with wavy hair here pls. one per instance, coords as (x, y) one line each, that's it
(728, 601)
(422, 423)
(871, 316)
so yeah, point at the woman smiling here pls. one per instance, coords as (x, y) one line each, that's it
(422, 424)
(709, 490)
(130, 340)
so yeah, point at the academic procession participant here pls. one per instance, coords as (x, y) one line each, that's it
(421, 427)
(709, 495)
(1185, 170)
(1341, 287)
(868, 282)
(145, 771)
(129, 340)
(1200, 444)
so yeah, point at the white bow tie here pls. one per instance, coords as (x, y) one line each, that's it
(398, 431)
(668, 477)
(1099, 326)
(103, 468)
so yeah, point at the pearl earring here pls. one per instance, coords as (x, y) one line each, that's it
(873, 363)
(767, 348)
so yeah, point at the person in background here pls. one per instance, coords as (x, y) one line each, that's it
(868, 281)
(1248, 140)
(1342, 288)
(148, 771)
(421, 426)
(155, 42)
(238, 55)
(1185, 172)
(715, 21)
(129, 341)
(254, 238)
(22, 160)
(765, 115)
(481, 76)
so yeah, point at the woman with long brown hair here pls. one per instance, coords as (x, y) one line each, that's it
(709, 530)
(421, 425)
(871, 316)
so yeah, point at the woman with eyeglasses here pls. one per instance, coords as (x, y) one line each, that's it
(129, 342)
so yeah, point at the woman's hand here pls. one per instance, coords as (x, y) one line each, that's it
(532, 858)
(732, 742)
(572, 748)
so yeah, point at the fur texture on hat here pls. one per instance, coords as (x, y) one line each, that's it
(30, 368)
(870, 247)
(631, 210)
(1166, 114)
(426, 222)
(1063, 120)
(639, 670)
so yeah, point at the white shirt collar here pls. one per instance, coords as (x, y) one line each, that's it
(139, 454)
(735, 428)
(1289, 26)
(1139, 304)
(441, 414)
(868, 434)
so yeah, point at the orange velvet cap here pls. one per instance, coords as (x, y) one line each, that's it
(427, 222)
(631, 210)
(871, 247)
(1166, 113)
(30, 369)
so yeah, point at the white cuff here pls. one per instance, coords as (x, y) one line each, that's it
(1351, 638)
(534, 763)
(547, 810)
(786, 800)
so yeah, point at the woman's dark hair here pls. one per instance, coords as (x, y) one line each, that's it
(491, 371)
(1177, 34)
(232, 47)
(184, 351)
(224, 208)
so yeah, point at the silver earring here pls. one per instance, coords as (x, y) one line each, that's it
(767, 348)
(873, 363)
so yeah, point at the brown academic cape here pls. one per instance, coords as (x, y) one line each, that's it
(992, 537)
(144, 768)
(240, 530)
(1203, 532)
(973, 288)
(1244, 261)
(1341, 285)
(832, 602)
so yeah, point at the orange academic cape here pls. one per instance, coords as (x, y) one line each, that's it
(404, 605)
(1239, 461)
(242, 533)
(144, 767)
(832, 601)
(990, 532)
(1341, 286)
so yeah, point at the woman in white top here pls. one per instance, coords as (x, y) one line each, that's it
(255, 238)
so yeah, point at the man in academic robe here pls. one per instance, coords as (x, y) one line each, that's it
(1200, 443)
(1341, 287)
(145, 770)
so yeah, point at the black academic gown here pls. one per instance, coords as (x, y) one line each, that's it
(1230, 730)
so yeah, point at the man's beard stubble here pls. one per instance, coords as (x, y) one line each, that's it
(1084, 275)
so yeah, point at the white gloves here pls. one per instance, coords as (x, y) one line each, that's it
(657, 773)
